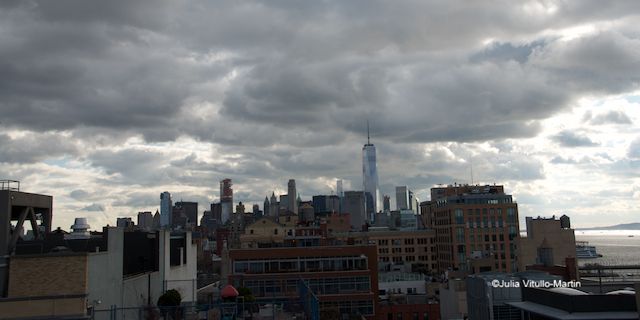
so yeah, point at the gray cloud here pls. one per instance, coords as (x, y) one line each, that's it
(34, 147)
(571, 139)
(79, 194)
(611, 117)
(94, 207)
(634, 149)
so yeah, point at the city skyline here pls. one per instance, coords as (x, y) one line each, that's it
(106, 108)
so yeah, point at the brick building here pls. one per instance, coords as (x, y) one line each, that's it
(398, 248)
(342, 277)
(476, 227)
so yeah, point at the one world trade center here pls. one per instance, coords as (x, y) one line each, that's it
(370, 179)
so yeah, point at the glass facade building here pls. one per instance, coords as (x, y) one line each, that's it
(370, 181)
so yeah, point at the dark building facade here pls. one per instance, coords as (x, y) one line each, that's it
(190, 211)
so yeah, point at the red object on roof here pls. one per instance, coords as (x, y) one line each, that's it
(229, 292)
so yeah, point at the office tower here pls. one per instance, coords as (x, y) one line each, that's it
(226, 199)
(370, 178)
(166, 209)
(339, 191)
(326, 204)
(386, 203)
(415, 202)
(266, 206)
(190, 212)
(145, 220)
(255, 209)
(124, 222)
(178, 218)
(216, 212)
(274, 207)
(476, 226)
(353, 203)
(284, 202)
(292, 196)
(406, 200)
(402, 198)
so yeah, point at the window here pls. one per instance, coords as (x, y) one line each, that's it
(275, 231)
(511, 215)
(459, 215)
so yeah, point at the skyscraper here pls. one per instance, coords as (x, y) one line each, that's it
(226, 199)
(274, 207)
(353, 203)
(386, 204)
(166, 209)
(190, 211)
(266, 206)
(370, 178)
(292, 196)
(145, 220)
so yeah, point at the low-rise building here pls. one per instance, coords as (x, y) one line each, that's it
(547, 243)
(109, 271)
(570, 303)
(344, 278)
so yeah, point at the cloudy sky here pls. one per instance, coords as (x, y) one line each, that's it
(105, 104)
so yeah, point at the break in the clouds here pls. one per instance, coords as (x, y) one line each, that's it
(107, 104)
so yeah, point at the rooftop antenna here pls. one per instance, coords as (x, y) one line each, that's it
(368, 137)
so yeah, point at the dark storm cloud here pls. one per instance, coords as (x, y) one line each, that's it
(571, 139)
(72, 64)
(283, 89)
(132, 66)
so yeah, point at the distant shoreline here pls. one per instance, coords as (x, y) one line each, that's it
(625, 226)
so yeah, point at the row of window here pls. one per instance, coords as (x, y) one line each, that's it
(414, 316)
(301, 265)
(409, 241)
(289, 287)
(357, 307)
